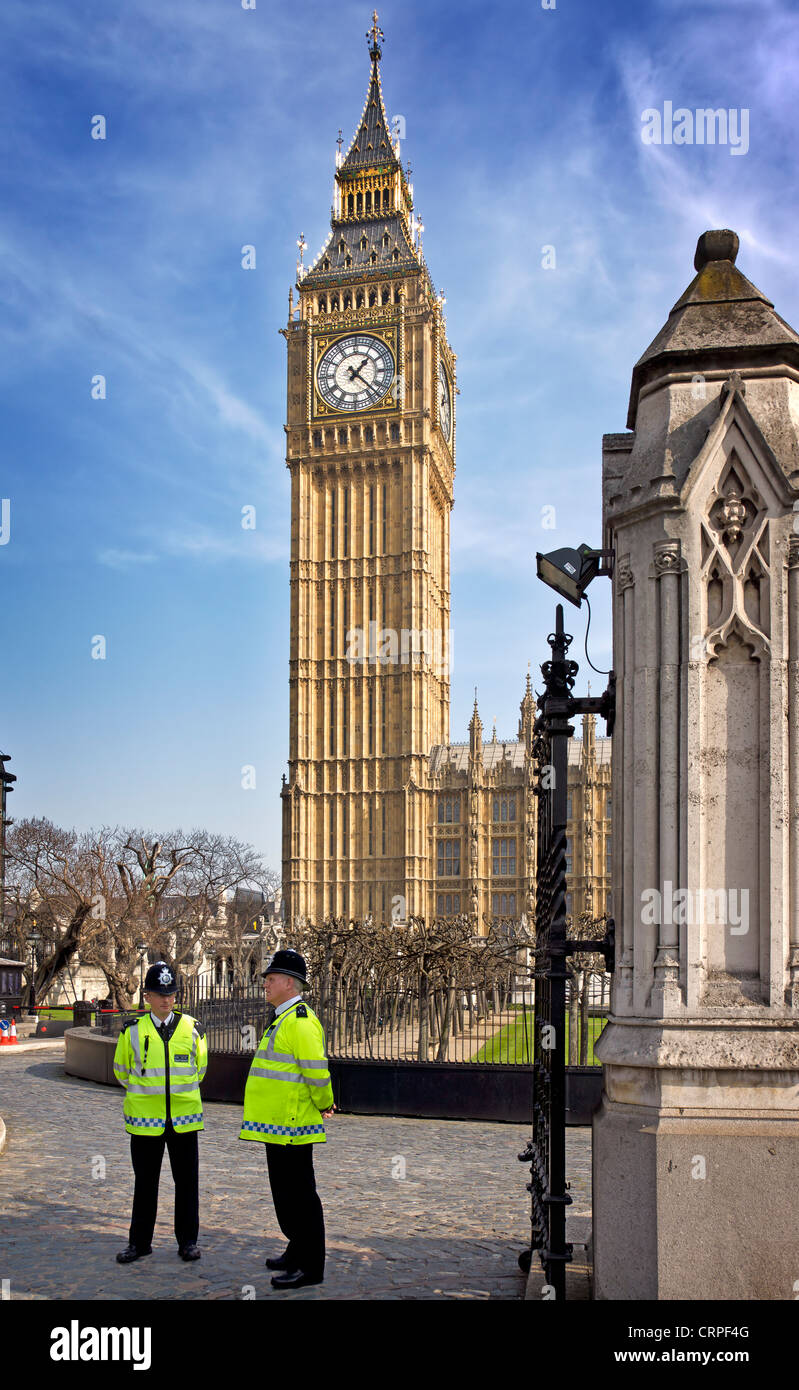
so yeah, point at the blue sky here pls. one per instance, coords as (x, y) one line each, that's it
(122, 257)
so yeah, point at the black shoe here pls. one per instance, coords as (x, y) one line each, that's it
(279, 1262)
(295, 1279)
(130, 1253)
(189, 1252)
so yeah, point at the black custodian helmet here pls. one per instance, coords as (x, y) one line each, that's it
(288, 963)
(160, 979)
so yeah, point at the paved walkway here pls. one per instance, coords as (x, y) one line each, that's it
(451, 1228)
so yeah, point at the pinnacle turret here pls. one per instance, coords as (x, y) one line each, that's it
(527, 712)
(475, 734)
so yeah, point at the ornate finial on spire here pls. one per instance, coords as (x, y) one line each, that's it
(494, 734)
(475, 697)
(340, 140)
(374, 34)
(302, 244)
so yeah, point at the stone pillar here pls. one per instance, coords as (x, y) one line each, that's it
(696, 1142)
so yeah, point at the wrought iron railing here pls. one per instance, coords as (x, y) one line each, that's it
(476, 1025)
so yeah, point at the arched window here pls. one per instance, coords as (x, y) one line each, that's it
(386, 295)
(372, 297)
(359, 202)
(396, 294)
(350, 205)
(386, 200)
(322, 305)
(348, 301)
(334, 302)
(359, 299)
(364, 242)
(395, 254)
(368, 201)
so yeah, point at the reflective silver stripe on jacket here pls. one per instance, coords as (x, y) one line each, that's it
(301, 1062)
(274, 1075)
(145, 1090)
(287, 1076)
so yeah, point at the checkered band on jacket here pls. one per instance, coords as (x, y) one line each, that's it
(140, 1066)
(289, 1082)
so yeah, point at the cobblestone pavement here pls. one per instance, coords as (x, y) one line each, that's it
(451, 1228)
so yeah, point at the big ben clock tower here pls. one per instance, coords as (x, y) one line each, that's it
(370, 448)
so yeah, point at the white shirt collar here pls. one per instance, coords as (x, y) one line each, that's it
(157, 1021)
(287, 1003)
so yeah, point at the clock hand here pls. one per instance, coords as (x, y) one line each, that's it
(356, 371)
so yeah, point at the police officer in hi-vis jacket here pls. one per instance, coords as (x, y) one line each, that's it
(160, 1060)
(288, 1094)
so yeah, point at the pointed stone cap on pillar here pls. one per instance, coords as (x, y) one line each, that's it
(721, 323)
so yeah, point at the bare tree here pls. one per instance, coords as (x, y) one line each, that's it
(116, 895)
(582, 968)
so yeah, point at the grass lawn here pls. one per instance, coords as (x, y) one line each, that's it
(512, 1044)
(54, 1013)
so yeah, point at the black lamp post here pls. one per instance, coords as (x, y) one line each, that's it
(7, 780)
(569, 572)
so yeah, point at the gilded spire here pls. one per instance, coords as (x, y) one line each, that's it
(373, 142)
(373, 35)
(372, 212)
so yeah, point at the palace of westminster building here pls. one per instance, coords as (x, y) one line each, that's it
(382, 814)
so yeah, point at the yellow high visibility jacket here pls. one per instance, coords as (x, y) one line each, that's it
(161, 1081)
(289, 1082)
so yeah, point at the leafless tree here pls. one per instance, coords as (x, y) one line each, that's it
(582, 968)
(117, 895)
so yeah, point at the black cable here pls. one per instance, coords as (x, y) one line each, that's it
(587, 657)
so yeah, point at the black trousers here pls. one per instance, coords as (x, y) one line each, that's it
(147, 1152)
(297, 1205)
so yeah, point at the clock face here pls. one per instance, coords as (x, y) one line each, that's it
(444, 403)
(355, 372)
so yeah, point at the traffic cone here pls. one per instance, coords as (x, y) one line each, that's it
(3, 1033)
(13, 1040)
